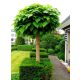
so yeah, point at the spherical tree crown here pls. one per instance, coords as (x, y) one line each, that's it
(36, 19)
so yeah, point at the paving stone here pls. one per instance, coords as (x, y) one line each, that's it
(59, 72)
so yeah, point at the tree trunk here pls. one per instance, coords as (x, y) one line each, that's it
(37, 48)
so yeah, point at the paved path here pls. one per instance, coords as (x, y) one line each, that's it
(59, 71)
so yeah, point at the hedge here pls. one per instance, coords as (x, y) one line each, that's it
(50, 51)
(24, 47)
(15, 76)
(41, 49)
(13, 48)
(42, 54)
(32, 70)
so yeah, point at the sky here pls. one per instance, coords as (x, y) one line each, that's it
(10, 8)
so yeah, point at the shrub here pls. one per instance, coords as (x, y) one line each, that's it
(20, 41)
(14, 76)
(25, 47)
(42, 54)
(50, 51)
(41, 49)
(53, 41)
(14, 47)
(32, 70)
(42, 45)
(61, 56)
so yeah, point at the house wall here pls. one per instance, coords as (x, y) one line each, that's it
(13, 37)
(67, 47)
(66, 27)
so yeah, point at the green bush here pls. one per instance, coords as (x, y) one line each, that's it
(14, 76)
(42, 54)
(13, 48)
(24, 47)
(41, 49)
(19, 41)
(42, 45)
(32, 70)
(50, 51)
(61, 56)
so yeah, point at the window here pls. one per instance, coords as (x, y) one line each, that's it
(12, 34)
(12, 30)
(12, 39)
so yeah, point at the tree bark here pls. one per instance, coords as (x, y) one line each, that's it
(38, 48)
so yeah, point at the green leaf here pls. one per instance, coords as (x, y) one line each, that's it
(18, 17)
(35, 32)
(40, 24)
(45, 11)
(18, 32)
(41, 33)
(28, 24)
(28, 15)
(38, 19)
(22, 29)
(45, 23)
(47, 18)
(31, 29)
(36, 24)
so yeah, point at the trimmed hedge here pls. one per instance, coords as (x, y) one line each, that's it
(42, 54)
(50, 51)
(14, 76)
(13, 48)
(32, 70)
(41, 49)
(24, 47)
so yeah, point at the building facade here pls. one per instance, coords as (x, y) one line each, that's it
(13, 37)
(28, 40)
(66, 27)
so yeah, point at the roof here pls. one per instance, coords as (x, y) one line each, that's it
(68, 18)
(65, 23)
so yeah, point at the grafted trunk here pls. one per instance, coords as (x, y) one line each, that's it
(37, 48)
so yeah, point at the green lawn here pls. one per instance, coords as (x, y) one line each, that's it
(16, 59)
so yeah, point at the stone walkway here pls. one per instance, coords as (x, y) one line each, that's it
(59, 71)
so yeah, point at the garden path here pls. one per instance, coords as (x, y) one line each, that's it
(59, 71)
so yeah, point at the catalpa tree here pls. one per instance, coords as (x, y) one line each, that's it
(36, 20)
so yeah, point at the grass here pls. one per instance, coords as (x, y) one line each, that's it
(16, 58)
